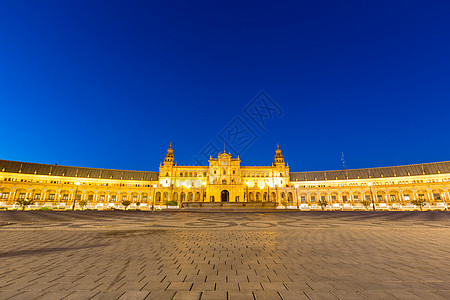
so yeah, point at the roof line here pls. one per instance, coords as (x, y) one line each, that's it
(396, 166)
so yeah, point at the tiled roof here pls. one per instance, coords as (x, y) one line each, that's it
(419, 169)
(56, 170)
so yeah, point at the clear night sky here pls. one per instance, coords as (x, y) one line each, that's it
(110, 83)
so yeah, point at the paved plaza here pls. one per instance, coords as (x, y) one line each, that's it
(224, 255)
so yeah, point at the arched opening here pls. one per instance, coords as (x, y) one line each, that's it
(290, 198)
(250, 197)
(225, 196)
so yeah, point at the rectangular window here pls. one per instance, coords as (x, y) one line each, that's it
(5, 195)
(406, 197)
(65, 197)
(78, 197)
(37, 196)
(313, 198)
(355, 198)
(51, 197)
(124, 198)
(392, 198)
(421, 196)
(91, 197)
(322, 198)
(437, 196)
(303, 199)
(134, 198)
(113, 198)
(379, 198)
(22, 196)
(344, 198)
(144, 198)
(333, 198)
(102, 197)
(367, 197)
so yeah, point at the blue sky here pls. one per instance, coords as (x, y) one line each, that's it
(110, 83)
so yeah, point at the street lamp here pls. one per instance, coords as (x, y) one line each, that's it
(371, 195)
(75, 197)
(203, 191)
(153, 199)
(296, 195)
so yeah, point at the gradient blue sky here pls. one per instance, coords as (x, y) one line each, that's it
(109, 83)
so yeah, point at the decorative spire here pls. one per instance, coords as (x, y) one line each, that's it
(279, 159)
(169, 158)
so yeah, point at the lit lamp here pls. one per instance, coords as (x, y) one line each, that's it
(75, 197)
(371, 195)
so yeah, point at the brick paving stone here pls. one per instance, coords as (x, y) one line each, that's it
(9, 294)
(377, 295)
(134, 295)
(187, 295)
(345, 294)
(180, 286)
(250, 286)
(404, 294)
(204, 286)
(227, 286)
(214, 295)
(293, 295)
(317, 295)
(429, 295)
(237, 278)
(161, 295)
(216, 278)
(82, 295)
(267, 295)
(108, 295)
(240, 295)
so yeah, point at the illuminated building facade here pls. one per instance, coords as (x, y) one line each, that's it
(225, 181)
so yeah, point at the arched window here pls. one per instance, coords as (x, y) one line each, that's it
(224, 181)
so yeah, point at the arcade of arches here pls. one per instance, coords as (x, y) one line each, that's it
(225, 180)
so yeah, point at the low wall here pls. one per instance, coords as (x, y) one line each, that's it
(229, 205)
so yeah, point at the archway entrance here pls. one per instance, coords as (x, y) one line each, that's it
(225, 196)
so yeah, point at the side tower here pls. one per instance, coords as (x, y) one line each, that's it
(166, 171)
(281, 170)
